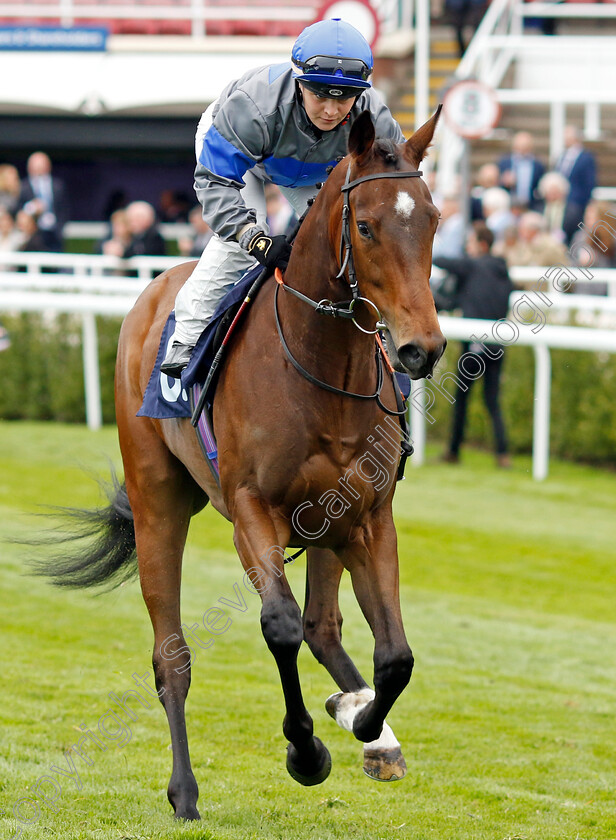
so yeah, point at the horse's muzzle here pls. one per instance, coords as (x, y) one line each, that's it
(419, 362)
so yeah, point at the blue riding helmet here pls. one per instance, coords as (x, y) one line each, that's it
(334, 59)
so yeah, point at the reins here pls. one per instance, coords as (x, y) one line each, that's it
(319, 382)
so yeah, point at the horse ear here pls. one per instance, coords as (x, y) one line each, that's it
(415, 148)
(362, 135)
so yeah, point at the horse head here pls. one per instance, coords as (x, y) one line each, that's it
(392, 222)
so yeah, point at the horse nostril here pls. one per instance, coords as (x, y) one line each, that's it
(412, 357)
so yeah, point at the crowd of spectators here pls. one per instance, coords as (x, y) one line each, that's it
(538, 216)
(519, 213)
(34, 209)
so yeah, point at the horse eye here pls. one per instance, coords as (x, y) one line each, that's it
(365, 231)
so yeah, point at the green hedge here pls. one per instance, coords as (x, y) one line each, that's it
(42, 371)
(583, 405)
(42, 379)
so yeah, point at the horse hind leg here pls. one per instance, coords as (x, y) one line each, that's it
(163, 498)
(160, 551)
(323, 620)
(383, 759)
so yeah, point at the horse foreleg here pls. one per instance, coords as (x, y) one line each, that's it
(258, 538)
(372, 559)
(383, 759)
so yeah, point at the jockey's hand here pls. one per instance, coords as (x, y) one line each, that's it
(271, 251)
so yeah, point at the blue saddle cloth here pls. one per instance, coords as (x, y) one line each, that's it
(167, 397)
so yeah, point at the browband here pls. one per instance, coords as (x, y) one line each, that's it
(351, 184)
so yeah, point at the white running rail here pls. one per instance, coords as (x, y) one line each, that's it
(87, 293)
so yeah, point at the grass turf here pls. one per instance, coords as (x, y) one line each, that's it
(507, 726)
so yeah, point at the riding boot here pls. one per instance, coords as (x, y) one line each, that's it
(177, 358)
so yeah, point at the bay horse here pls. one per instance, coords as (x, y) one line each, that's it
(286, 447)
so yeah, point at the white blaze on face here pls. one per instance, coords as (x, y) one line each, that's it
(405, 204)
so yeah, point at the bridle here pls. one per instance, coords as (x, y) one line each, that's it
(345, 309)
(346, 261)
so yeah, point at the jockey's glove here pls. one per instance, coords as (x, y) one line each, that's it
(271, 251)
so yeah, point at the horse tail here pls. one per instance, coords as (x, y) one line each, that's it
(93, 547)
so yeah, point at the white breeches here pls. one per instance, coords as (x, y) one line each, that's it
(223, 262)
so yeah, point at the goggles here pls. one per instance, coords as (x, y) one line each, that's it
(331, 65)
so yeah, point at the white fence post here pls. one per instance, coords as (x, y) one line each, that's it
(422, 62)
(541, 413)
(592, 121)
(417, 422)
(67, 12)
(406, 17)
(91, 371)
(557, 129)
(198, 20)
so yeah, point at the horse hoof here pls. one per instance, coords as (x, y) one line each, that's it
(187, 813)
(309, 779)
(385, 765)
(184, 800)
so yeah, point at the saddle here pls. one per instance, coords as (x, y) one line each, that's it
(166, 397)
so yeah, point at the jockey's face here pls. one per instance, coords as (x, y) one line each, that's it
(323, 111)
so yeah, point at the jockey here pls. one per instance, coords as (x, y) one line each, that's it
(284, 124)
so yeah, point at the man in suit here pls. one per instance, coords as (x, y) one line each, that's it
(45, 197)
(488, 176)
(145, 238)
(578, 166)
(521, 171)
